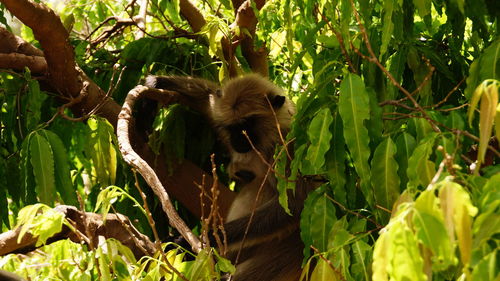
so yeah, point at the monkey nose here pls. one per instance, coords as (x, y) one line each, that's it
(244, 176)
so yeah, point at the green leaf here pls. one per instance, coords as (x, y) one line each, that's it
(490, 62)
(335, 161)
(319, 136)
(382, 256)
(34, 101)
(487, 268)
(322, 220)
(62, 171)
(420, 170)
(28, 193)
(101, 150)
(423, 7)
(39, 220)
(354, 110)
(405, 145)
(362, 259)
(431, 231)
(385, 179)
(388, 26)
(42, 161)
(406, 262)
(324, 272)
(457, 206)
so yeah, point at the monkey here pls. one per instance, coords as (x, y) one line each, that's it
(251, 116)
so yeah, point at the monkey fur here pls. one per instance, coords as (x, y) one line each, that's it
(272, 249)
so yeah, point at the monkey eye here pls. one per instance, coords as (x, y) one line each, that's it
(218, 93)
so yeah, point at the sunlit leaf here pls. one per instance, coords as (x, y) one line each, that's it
(102, 150)
(406, 262)
(487, 268)
(382, 255)
(489, 103)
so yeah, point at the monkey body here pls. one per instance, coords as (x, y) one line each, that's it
(251, 116)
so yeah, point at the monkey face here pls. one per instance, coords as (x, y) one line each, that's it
(239, 141)
(253, 105)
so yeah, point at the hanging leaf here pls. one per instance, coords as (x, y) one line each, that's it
(354, 110)
(42, 161)
(385, 179)
(420, 169)
(62, 171)
(489, 103)
(101, 149)
(322, 220)
(335, 161)
(405, 147)
(457, 205)
(319, 136)
(388, 26)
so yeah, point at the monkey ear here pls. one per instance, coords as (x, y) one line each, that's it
(277, 101)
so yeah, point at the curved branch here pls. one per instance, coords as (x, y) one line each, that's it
(185, 174)
(192, 15)
(117, 226)
(133, 159)
(246, 19)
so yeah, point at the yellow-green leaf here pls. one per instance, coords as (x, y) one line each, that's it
(489, 103)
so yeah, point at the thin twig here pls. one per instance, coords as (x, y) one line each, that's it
(373, 59)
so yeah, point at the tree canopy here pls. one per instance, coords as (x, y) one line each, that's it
(398, 118)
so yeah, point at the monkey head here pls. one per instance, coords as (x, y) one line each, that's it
(254, 105)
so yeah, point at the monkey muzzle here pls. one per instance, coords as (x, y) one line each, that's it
(243, 176)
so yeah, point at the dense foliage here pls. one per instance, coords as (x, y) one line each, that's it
(398, 114)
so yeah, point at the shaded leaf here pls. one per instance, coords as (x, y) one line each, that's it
(319, 136)
(42, 161)
(354, 110)
(385, 179)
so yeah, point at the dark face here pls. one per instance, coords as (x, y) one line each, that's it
(239, 141)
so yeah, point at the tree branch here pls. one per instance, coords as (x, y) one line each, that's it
(133, 159)
(185, 174)
(53, 37)
(117, 226)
